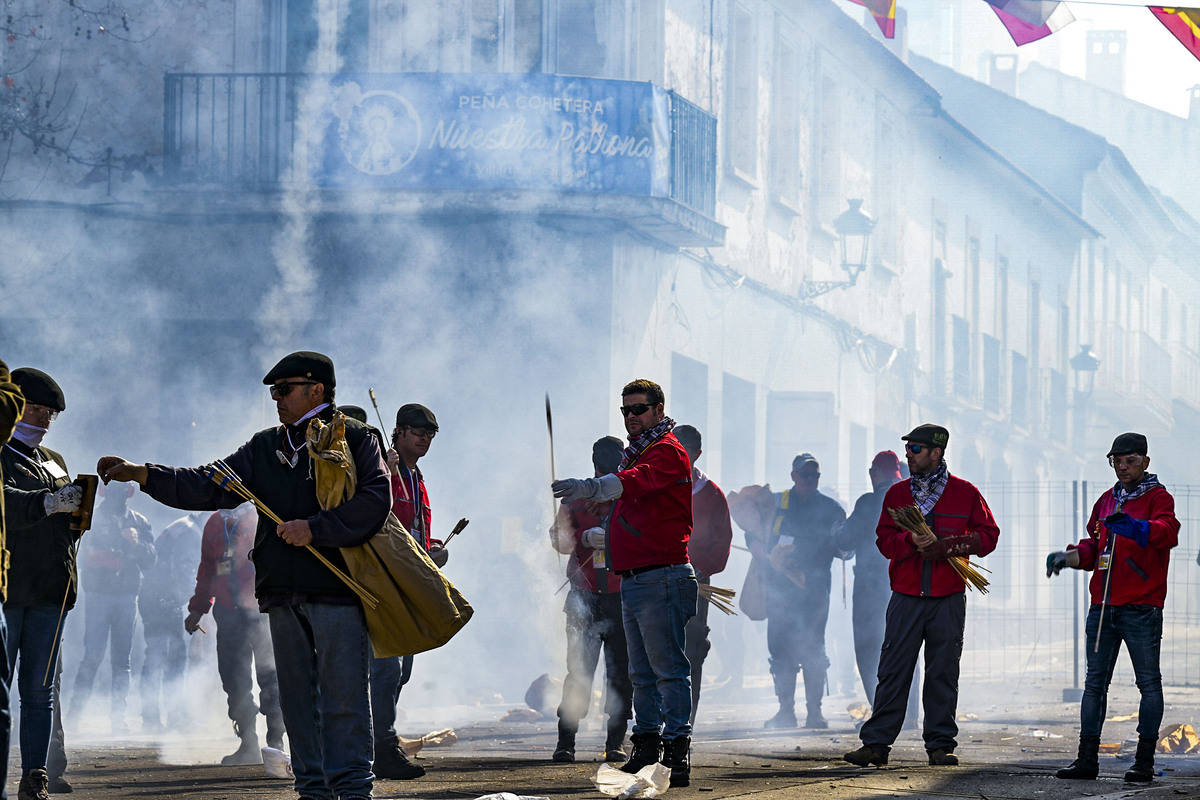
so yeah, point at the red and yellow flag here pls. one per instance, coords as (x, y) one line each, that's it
(884, 12)
(1183, 23)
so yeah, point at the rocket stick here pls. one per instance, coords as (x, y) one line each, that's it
(550, 430)
(374, 402)
(1112, 557)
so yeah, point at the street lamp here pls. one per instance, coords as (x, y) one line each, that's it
(1086, 364)
(853, 228)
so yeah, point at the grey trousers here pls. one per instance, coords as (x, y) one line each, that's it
(937, 623)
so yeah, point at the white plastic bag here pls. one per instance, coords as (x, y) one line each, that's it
(277, 764)
(650, 781)
(509, 796)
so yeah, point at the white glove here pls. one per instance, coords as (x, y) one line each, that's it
(610, 487)
(575, 488)
(64, 501)
(594, 538)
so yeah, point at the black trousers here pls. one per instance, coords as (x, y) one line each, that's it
(937, 623)
(594, 624)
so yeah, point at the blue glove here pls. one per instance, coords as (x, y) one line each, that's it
(1124, 525)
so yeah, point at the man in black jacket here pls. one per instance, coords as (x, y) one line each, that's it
(42, 586)
(318, 630)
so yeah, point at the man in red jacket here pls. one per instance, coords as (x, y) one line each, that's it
(708, 550)
(1128, 548)
(929, 604)
(225, 586)
(648, 532)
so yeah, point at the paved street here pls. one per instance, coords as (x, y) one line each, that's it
(1007, 753)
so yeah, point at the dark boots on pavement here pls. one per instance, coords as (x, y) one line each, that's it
(34, 785)
(248, 752)
(784, 718)
(866, 756)
(1142, 770)
(392, 762)
(1086, 765)
(647, 750)
(564, 751)
(614, 744)
(677, 758)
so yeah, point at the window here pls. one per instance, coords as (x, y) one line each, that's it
(688, 401)
(485, 36)
(580, 40)
(1020, 389)
(785, 134)
(739, 431)
(829, 200)
(742, 99)
(801, 422)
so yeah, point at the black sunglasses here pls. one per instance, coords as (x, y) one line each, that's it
(637, 409)
(284, 388)
(916, 449)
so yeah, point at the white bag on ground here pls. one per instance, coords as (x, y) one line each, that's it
(650, 781)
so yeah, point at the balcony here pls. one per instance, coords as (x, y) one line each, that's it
(600, 151)
(1134, 378)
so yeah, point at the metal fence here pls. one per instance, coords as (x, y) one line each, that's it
(1029, 628)
(235, 130)
(693, 155)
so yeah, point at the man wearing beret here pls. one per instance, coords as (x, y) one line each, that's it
(929, 604)
(39, 497)
(411, 438)
(12, 407)
(318, 632)
(1128, 548)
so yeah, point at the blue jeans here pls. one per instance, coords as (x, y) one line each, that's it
(656, 606)
(388, 677)
(322, 657)
(33, 638)
(1140, 628)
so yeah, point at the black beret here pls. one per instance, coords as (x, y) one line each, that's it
(934, 435)
(39, 388)
(1123, 444)
(354, 412)
(606, 454)
(303, 364)
(416, 415)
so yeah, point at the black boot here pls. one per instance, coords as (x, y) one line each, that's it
(1086, 765)
(564, 751)
(392, 762)
(1142, 770)
(614, 744)
(247, 752)
(647, 750)
(677, 758)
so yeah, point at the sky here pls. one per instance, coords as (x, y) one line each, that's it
(1159, 70)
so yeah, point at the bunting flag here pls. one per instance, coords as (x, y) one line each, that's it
(884, 12)
(1183, 23)
(1030, 20)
